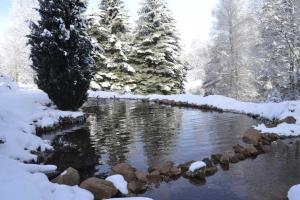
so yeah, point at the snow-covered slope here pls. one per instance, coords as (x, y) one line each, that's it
(21, 109)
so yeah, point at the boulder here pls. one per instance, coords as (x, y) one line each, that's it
(211, 170)
(101, 189)
(68, 177)
(241, 156)
(175, 171)
(239, 149)
(252, 136)
(225, 159)
(154, 177)
(288, 120)
(164, 169)
(137, 187)
(185, 166)
(141, 176)
(234, 159)
(216, 158)
(126, 170)
(268, 138)
(197, 174)
(252, 151)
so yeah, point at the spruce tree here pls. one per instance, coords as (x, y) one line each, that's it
(111, 31)
(62, 52)
(157, 54)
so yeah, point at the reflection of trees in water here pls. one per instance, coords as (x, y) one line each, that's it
(74, 150)
(115, 126)
(111, 129)
(158, 127)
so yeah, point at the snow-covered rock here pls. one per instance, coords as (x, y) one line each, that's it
(294, 193)
(197, 165)
(119, 182)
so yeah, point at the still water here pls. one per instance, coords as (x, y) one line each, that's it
(144, 134)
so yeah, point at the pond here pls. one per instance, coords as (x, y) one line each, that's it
(144, 134)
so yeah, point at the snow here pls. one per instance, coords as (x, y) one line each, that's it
(197, 165)
(294, 193)
(119, 182)
(21, 110)
(269, 111)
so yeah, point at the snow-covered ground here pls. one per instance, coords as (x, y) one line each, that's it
(24, 108)
(21, 110)
(265, 110)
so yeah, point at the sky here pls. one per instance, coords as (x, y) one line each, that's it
(194, 19)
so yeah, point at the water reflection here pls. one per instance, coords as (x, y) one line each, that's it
(144, 134)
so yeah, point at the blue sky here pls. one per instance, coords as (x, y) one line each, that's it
(193, 17)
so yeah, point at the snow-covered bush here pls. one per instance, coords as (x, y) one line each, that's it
(62, 52)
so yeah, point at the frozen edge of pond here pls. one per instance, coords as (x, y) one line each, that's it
(270, 111)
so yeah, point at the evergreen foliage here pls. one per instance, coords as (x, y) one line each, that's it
(62, 52)
(157, 51)
(111, 31)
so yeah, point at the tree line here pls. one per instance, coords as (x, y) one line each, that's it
(71, 51)
(254, 52)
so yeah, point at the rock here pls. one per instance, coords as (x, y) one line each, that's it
(288, 120)
(126, 170)
(266, 149)
(241, 156)
(141, 176)
(69, 177)
(164, 169)
(225, 159)
(216, 158)
(268, 138)
(208, 162)
(185, 166)
(211, 171)
(252, 150)
(197, 174)
(234, 159)
(154, 176)
(252, 136)
(52, 175)
(175, 171)
(137, 187)
(239, 149)
(101, 189)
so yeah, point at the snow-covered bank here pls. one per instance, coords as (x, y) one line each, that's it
(269, 111)
(21, 110)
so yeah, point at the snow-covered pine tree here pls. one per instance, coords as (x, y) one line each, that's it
(280, 48)
(157, 53)
(62, 52)
(111, 31)
(228, 71)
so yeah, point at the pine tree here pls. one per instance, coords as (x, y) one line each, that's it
(157, 53)
(62, 52)
(111, 31)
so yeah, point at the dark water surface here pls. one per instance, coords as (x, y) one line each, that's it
(144, 134)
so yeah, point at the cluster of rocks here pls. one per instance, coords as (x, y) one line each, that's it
(255, 143)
